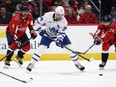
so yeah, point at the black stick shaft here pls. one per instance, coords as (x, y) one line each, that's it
(89, 48)
(13, 77)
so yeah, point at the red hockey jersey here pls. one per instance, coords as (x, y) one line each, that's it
(18, 26)
(107, 33)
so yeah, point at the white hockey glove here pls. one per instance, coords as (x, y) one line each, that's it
(59, 42)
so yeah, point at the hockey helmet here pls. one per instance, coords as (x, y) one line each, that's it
(107, 18)
(59, 10)
(24, 8)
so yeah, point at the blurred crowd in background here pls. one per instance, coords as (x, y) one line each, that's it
(76, 11)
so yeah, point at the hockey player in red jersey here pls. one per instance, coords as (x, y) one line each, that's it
(105, 34)
(16, 35)
(113, 14)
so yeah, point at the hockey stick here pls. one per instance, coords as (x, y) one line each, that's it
(75, 52)
(24, 81)
(15, 49)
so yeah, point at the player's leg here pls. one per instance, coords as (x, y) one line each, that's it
(10, 51)
(104, 60)
(8, 58)
(36, 56)
(23, 50)
(74, 58)
(104, 55)
(44, 44)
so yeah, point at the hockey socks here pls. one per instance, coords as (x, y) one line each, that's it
(104, 60)
(105, 57)
(9, 55)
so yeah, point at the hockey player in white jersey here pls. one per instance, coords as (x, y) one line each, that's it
(56, 26)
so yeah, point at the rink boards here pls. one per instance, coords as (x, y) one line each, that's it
(79, 36)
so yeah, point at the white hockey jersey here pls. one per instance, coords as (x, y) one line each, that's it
(53, 28)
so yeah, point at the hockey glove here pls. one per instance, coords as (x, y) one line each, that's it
(18, 43)
(59, 42)
(33, 34)
(99, 41)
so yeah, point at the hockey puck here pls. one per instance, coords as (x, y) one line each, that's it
(100, 74)
(31, 78)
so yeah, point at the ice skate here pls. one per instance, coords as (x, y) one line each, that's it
(102, 65)
(6, 64)
(19, 61)
(30, 67)
(80, 67)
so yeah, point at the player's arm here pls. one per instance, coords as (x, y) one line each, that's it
(32, 31)
(39, 22)
(98, 32)
(98, 37)
(61, 34)
(13, 27)
(109, 35)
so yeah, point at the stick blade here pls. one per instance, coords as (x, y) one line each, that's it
(29, 80)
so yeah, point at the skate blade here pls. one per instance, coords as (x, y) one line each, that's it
(101, 68)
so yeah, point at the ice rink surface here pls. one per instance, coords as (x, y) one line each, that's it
(60, 74)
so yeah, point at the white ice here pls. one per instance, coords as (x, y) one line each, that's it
(60, 74)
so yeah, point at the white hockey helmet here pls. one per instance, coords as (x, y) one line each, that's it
(59, 10)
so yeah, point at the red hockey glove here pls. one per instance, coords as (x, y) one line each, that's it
(18, 43)
(33, 34)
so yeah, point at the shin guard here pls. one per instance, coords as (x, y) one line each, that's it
(105, 57)
(10, 54)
